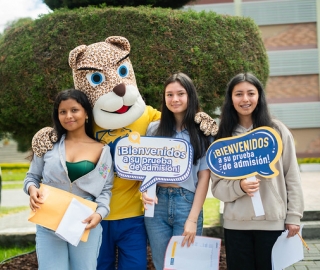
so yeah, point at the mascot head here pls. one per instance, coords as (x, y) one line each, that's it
(103, 71)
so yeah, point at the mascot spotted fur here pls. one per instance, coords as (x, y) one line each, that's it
(103, 71)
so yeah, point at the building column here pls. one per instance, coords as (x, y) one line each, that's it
(238, 8)
(318, 41)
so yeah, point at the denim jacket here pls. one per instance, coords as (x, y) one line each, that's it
(192, 181)
(50, 169)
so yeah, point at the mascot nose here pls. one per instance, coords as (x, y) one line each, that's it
(120, 89)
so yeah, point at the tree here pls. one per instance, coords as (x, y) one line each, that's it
(71, 4)
(16, 23)
(210, 48)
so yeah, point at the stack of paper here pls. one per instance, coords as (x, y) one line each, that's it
(204, 253)
(57, 207)
(287, 251)
(71, 227)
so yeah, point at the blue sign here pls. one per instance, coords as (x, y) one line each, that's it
(246, 155)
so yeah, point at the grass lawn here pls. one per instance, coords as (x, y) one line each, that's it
(211, 214)
(13, 179)
(12, 210)
(6, 253)
(13, 176)
(18, 185)
(9, 252)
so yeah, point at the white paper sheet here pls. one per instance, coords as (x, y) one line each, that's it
(256, 200)
(204, 253)
(151, 192)
(287, 251)
(71, 227)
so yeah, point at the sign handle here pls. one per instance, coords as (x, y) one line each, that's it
(256, 200)
(151, 192)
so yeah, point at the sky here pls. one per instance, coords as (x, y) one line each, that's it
(11, 10)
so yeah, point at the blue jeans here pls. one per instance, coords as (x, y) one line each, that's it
(130, 238)
(170, 215)
(54, 253)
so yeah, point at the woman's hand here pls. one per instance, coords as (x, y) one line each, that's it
(92, 221)
(148, 200)
(36, 198)
(293, 229)
(190, 229)
(249, 187)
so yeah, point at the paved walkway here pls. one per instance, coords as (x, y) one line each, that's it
(311, 259)
(17, 224)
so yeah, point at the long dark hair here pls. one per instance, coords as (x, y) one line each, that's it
(79, 97)
(229, 116)
(166, 128)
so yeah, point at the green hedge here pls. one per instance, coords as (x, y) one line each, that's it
(14, 166)
(308, 160)
(210, 48)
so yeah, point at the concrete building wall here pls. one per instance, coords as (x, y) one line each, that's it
(10, 154)
(289, 30)
(307, 142)
(289, 36)
(295, 88)
(286, 89)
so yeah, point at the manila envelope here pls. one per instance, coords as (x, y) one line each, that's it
(56, 202)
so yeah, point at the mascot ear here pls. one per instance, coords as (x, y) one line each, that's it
(74, 54)
(120, 42)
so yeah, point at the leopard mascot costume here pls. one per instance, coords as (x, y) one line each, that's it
(103, 71)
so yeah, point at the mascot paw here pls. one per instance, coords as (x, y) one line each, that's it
(207, 124)
(43, 141)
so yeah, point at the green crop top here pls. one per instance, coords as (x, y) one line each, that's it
(78, 169)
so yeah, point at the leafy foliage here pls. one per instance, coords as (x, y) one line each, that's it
(309, 160)
(16, 23)
(71, 4)
(210, 48)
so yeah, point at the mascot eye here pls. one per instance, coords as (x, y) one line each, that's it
(123, 71)
(95, 78)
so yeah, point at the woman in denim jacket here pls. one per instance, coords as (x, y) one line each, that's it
(77, 164)
(178, 209)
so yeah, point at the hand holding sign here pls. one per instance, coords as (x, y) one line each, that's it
(153, 160)
(245, 156)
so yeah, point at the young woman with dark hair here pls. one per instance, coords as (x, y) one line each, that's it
(178, 208)
(170, 120)
(77, 164)
(229, 119)
(81, 99)
(248, 238)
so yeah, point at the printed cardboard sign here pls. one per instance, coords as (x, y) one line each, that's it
(153, 159)
(255, 152)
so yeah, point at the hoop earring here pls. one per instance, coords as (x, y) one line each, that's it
(87, 119)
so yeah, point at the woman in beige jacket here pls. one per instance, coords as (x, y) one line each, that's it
(248, 238)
